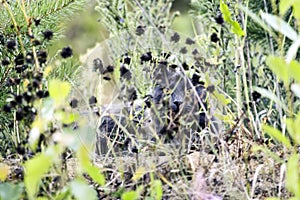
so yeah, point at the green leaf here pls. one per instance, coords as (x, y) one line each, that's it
(296, 9)
(67, 117)
(131, 195)
(292, 175)
(266, 93)
(280, 25)
(225, 11)
(235, 26)
(9, 191)
(294, 70)
(138, 173)
(276, 134)
(93, 171)
(284, 5)
(82, 190)
(4, 171)
(293, 128)
(156, 189)
(35, 168)
(224, 101)
(279, 67)
(59, 90)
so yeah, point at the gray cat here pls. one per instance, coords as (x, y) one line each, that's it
(171, 113)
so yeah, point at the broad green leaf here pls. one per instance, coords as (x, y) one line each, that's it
(35, 168)
(224, 101)
(156, 189)
(138, 173)
(279, 67)
(82, 191)
(4, 171)
(280, 25)
(270, 95)
(235, 26)
(9, 191)
(67, 117)
(59, 90)
(83, 156)
(85, 162)
(294, 70)
(292, 175)
(296, 9)
(293, 128)
(131, 195)
(95, 173)
(284, 5)
(293, 198)
(225, 11)
(276, 134)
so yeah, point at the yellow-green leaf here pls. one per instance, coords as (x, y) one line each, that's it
(95, 173)
(66, 117)
(294, 70)
(235, 26)
(131, 195)
(35, 168)
(59, 90)
(138, 173)
(225, 11)
(293, 127)
(156, 190)
(4, 171)
(296, 9)
(284, 5)
(224, 101)
(279, 67)
(86, 164)
(292, 175)
(277, 135)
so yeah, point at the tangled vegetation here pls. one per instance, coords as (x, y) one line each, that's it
(150, 112)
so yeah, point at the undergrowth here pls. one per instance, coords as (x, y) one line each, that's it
(150, 113)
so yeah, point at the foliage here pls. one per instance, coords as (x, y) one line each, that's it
(244, 55)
